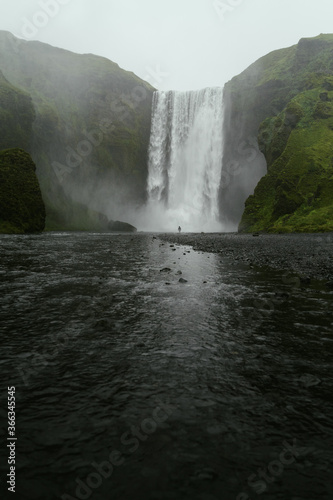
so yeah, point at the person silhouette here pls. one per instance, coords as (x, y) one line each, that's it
(179, 229)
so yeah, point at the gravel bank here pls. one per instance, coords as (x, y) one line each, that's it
(309, 256)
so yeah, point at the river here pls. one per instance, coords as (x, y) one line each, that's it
(133, 385)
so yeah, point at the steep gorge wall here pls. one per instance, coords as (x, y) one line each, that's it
(91, 130)
(278, 123)
(16, 117)
(21, 205)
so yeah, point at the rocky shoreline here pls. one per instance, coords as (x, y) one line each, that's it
(307, 256)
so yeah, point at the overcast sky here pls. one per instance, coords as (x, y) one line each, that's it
(174, 44)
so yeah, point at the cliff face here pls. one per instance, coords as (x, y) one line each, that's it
(285, 101)
(22, 208)
(91, 131)
(16, 116)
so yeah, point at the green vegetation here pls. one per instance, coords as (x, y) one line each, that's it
(296, 194)
(22, 208)
(16, 116)
(79, 99)
(286, 100)
(86, 124)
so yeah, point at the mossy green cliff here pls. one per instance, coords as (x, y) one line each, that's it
(22, 208)
(286, 100)
(91, 132)
(16, 117)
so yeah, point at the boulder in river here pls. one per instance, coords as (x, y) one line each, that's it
(121, 227)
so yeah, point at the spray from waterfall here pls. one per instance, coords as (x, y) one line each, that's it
(185, 160)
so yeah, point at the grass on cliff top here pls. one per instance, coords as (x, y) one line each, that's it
(289, 66)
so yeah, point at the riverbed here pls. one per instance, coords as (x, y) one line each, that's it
(145, 369)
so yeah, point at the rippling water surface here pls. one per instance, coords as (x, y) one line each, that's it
(192, 390)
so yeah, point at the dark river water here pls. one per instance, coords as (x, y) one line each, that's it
(133, 385)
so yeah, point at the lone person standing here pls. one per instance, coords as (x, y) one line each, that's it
(179, 229)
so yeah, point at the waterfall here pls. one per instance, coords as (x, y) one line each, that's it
(185, 159)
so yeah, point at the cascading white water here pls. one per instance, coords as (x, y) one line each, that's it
(185, 159)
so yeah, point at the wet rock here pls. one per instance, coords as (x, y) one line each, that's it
(121, 227)
(182, 280)
(288, 252)
(165, 270)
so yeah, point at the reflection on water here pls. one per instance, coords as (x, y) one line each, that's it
(189, 389)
